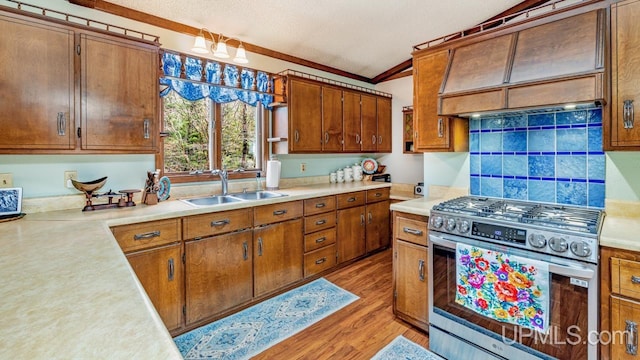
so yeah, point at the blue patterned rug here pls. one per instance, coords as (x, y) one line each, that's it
(251, 331)
(403, 349)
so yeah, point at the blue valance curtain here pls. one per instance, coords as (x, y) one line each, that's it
(222, 83)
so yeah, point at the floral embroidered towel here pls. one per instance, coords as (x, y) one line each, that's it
(503, 287)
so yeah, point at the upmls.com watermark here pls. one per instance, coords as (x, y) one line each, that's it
(572, 336)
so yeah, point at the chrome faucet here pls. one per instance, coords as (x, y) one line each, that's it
(224, 178)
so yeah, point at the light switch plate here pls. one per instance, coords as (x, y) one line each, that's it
(6, 180)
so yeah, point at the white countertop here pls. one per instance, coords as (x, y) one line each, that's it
(68, 291)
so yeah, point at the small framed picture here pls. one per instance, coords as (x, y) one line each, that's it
(10, 201)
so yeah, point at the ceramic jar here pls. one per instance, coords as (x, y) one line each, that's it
(357, 172)
(340, 176)
(348, 174)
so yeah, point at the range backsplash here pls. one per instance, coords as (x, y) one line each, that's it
(547, 156)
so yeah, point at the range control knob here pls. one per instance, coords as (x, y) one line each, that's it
(437, 222)
(450, 224)
(580, 248)
(558, 244)
(537, 241)
(463, 227)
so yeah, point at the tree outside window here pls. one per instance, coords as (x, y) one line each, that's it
(193, 144)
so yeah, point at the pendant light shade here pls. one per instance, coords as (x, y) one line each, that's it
(200, 44)
(241, 55)
(200, 47)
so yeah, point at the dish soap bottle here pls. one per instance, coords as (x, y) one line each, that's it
(258, 182)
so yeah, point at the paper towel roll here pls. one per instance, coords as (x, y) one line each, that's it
(273, 174)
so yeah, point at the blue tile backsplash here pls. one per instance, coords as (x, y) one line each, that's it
(552, 156)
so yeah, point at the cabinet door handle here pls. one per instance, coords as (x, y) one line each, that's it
(321, 260)
(357, 138)
(146, 129)
(259, 246)
(627, 114)
(171, 269)
(62, 124)
(415, 136)
(379, 139)
(373, 139)
(326, 137)
(320, 240)
(220, 222)
(320, 205)
(370, 217)
(351, 199)
(412, 231)
(440, 127)
(321, 222)
(362, 219)
(148, 235)
(296, 136)
(245, 249)
(631, 337)
(279, 212)
(635, 279)
(421, 270)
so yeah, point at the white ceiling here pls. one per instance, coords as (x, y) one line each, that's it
(363, 37)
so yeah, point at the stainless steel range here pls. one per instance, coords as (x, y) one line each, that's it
(563, 238)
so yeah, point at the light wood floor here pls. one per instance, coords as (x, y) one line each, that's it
(359, 330)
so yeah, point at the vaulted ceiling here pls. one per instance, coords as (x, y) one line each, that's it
(363, 39)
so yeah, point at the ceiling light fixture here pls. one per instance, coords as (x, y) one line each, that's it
(218, 49)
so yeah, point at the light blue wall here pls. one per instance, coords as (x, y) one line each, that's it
(43, 175)
(320, 164)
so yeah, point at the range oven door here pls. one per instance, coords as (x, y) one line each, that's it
(573, 311)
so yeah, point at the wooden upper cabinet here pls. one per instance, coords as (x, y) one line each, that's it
(563, 47)
(119, 94)
(479, 65)
(36, 95)
(624, 129)
(368, 111)
(384, 124)
(352, 126)
(331, 119)
(305, 116)
(433, 132)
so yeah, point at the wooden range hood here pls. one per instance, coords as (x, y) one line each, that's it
(548, 65)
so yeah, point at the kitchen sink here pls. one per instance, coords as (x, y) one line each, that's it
(257, 195)
(231, 198)
(212, 200)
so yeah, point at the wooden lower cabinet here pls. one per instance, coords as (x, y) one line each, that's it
(625, 318)
(278, 256)
(377, 229)
(218, 274)
(351, 233)
(160, 272)
(410, 269)
(411, 291)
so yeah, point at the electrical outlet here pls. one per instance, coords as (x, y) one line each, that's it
(6, 180)
(68, 175)
(303, 167)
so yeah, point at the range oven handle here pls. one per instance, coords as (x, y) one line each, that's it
(562, 270)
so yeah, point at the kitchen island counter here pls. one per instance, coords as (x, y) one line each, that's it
(69, 291)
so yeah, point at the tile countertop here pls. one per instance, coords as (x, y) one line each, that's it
(68, 290)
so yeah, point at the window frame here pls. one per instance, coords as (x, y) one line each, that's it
(185, 177)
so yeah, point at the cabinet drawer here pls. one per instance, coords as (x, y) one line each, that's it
(200, 226)
(319, 260)
(375, 195)
(410, 230)
(350, 199)
(147, 235)
(319, 222)
(319, 205)
(319, 239)
(277, 212)
(625, 277)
